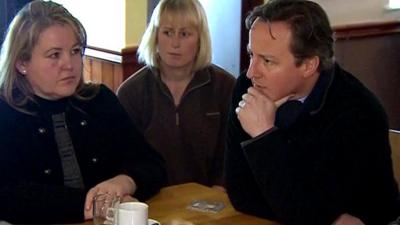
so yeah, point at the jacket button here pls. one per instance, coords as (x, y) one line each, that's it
(42, 130)
(94, 160)
(47, 171)
(83, 123)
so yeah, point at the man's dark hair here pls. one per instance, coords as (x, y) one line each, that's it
(311, 30)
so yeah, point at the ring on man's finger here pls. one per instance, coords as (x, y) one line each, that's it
(237, 110)
(242, 103)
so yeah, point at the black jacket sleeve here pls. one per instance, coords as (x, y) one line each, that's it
(241, 185)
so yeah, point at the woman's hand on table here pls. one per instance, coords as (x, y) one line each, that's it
(121, 185)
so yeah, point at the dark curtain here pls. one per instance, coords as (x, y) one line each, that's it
(8, 9)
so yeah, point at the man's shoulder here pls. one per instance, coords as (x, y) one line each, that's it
(349, 93)
(350, 87)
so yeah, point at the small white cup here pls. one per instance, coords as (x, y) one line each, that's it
(132, 213)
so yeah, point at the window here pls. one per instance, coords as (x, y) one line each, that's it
(393, 4)
(111, 34)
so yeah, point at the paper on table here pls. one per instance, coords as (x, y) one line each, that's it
(206, 206)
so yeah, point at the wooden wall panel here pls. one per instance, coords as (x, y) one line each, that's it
(372, 53)
(106, 69)
(111, 73)
(102, 71)
(97, 72)
(87, 69)
(118, 76)
(394, 137)
(130, 62)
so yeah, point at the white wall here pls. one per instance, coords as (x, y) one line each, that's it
(103, 15)
(224, 22)
(342, 12)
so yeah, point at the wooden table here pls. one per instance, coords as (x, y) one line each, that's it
(171, 204)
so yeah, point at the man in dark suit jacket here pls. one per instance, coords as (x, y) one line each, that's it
(307, 142)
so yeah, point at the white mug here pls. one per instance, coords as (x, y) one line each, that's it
(132, 213)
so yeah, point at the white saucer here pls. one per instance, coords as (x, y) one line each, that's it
(153, 222)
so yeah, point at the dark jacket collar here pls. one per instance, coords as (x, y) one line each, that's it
(316, 99)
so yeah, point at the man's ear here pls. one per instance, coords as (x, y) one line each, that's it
(21, 67)
(310, 66)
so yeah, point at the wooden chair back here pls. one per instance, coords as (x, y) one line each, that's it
(394, 137)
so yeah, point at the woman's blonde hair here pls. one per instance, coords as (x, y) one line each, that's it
(22, 36)
(189, 11)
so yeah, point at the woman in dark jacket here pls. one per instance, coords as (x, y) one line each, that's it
(62, 141)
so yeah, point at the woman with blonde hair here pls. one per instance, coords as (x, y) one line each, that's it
(62, 141)
(179, 100)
